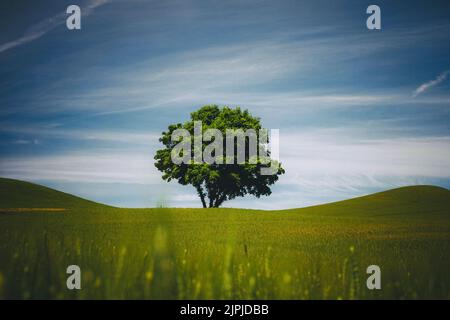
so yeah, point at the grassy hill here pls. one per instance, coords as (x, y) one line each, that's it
(319, 252)
(21, 194)
(410, 201)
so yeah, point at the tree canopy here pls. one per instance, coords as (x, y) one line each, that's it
(218, 182)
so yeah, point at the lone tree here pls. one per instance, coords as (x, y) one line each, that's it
(229, 177)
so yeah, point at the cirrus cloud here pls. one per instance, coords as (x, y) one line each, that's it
(40, 29)
(430, 84)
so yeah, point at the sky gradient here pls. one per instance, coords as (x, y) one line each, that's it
(358, 110)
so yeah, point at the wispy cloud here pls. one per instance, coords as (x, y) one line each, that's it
(24, 142)
(130, 138)
(222, 74)
(41, 28)
(242, 73)
(430, 84)
(81, 166)
(322, 165)
(348, 152)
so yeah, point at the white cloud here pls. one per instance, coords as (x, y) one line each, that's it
(40, 29)
(227, 74)
(236, 74)
(24, 141)
(430, 84)
(347, 153)
(130, 138)
(98, 167)
(321, 165)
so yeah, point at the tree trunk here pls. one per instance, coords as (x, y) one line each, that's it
(220, 199)
(201, 195)
(211, 201)
(211, 195)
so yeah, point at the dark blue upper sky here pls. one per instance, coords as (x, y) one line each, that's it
(358, 110)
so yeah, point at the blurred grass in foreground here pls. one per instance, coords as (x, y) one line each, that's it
(312, 253)
(225, 254)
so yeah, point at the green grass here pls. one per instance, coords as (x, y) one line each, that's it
(21, 194)
(319, 252)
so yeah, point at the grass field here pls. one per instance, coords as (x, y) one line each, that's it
(318, 252)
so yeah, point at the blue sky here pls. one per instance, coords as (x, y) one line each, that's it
(359, 111)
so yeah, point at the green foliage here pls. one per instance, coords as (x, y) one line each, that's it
(216, 183)
(319, 252)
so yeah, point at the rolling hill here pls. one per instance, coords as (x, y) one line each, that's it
(409, 200)
(21, 194)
